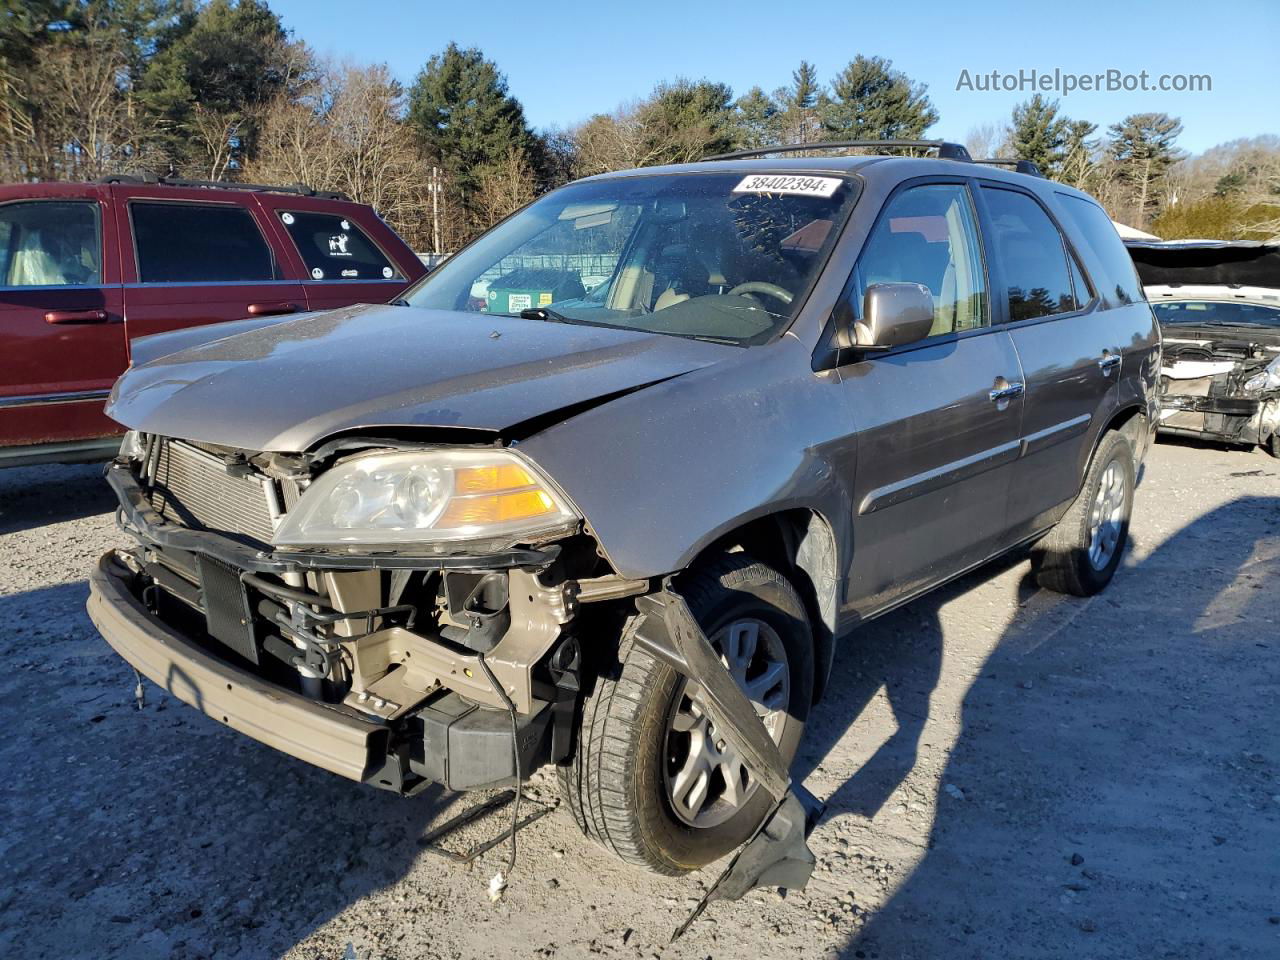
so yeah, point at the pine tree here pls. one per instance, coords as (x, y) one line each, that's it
(757, 120)
(226, 60)
(1142, 150)
(468, 123)
(872, 101)
(687, 120)
(1039, 134)
(799, 103)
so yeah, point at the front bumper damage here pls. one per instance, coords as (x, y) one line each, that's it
(371, 666)
(228, 627)
(337, 741)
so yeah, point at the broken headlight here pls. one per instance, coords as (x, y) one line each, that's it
(426, 496)
(1268, 379)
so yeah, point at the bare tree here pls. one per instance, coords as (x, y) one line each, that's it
(506, 187)
(216, 131)
(345, 132)
(612, 141)
(985, 140)
(72, 116)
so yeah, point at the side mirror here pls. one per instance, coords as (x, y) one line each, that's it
(894, 314)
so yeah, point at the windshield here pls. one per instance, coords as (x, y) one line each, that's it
(720, 256)
(1218, 313)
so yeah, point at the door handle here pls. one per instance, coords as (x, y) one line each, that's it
(271, 309)
(75, 316)
(1108, 362)
(1007, 392)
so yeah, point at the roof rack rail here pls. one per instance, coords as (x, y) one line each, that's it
(150, 179)
(1019, 166)
(946, 150)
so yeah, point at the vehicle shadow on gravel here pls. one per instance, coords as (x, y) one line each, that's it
(1112, 791)
(901, 654)
(32, 497)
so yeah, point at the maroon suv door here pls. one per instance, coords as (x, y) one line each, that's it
(61, 327)
(190, 259)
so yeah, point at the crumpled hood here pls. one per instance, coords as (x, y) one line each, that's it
(289, 385)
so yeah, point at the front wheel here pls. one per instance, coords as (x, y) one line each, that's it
(651, 780)
(1081, 553)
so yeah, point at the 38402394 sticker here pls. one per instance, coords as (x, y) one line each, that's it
(778, 183)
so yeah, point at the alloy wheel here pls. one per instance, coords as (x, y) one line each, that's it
(1106, 519)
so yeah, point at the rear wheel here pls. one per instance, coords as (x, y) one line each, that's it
(1272, 446)
(652, 780)
(1081, 553)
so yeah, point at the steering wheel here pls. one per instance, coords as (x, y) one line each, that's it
(760, 286)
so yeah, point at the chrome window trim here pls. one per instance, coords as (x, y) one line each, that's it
(60, 287)
(38, 399)
(142, 284)
(330, 283)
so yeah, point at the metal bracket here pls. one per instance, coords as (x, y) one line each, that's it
(777, 854)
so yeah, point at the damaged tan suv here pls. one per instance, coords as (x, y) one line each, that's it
(783, 394)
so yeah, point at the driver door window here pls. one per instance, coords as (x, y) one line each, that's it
(50, 243)
(929, 235)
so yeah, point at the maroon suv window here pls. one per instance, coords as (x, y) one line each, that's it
(334, 248)
(199, 243)
(50, 243)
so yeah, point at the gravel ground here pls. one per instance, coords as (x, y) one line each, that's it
(1009, 773)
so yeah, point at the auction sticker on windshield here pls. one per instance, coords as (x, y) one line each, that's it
(775, 183)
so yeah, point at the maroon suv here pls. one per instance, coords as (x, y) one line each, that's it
(87, 268)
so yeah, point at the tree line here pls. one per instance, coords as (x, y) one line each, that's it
(220, 90)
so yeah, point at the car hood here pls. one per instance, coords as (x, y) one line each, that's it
(287, 386)
(1237, 263)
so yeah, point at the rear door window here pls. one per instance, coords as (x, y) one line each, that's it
(335, 248)
(1033, 256)
(199, 243)
(48, 243)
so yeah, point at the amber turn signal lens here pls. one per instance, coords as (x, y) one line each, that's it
(503, 508)
(491, 479)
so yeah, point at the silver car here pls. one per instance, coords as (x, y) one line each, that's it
(797, 391)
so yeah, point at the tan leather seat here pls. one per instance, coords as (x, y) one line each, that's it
(669, 298)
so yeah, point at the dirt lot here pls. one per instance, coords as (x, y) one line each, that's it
(1009, 773)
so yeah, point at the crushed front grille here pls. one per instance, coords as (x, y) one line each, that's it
(194, 488)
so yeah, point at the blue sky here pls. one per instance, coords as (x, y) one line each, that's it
(565, 61)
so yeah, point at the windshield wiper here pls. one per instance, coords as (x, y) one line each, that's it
(552, 316)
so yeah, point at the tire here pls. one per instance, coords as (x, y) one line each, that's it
(618, 783)
(1272, 446)
(1068, 559)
